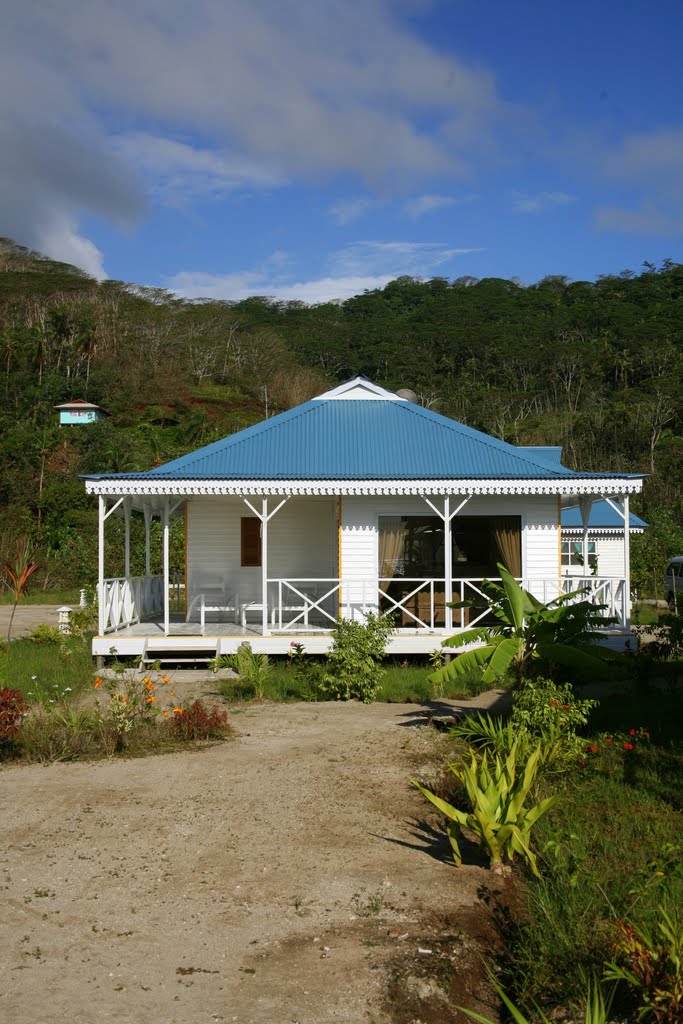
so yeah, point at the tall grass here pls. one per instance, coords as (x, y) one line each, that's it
(613, 849)
(46, 672)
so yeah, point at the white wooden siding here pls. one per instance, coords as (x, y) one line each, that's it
(302, 542)
(608, 548)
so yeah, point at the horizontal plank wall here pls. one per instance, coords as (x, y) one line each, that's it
(302, 542)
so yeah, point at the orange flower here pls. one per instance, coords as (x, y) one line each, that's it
(171, 693)
(166, 679)
(124, 700)
(149, 686)
(150, 700)
(165, 714)
(145, 680)
(177, 711)
(98, 682)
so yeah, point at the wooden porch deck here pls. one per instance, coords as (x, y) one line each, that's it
(147, 639)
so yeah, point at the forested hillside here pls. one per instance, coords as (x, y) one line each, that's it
(596, 367)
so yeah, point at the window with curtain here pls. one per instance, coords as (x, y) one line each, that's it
(413, 546)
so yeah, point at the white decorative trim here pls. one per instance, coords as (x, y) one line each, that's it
(607, 531)
(561, 485)
(359, 388)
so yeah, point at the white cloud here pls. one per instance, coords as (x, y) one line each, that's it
(523, 203)
(178, 171)
(395, 258)
(100, 99)
(647, 219)
(646, 158)
(420, 205)
(357, 267)
(347, 210)
(241, 285)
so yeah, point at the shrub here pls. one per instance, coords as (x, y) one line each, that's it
(198, 723)
(545, 716)
(252, 668)
(12, 711)
(651, 963)
(354, 662)
(497, 791)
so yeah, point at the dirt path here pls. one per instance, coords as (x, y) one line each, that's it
(288, 875)
(27, 616)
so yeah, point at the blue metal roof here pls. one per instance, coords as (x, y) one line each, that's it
(349, 438)
(602, 517)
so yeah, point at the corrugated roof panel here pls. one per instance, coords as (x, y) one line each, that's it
(359, 440)
(602, 517)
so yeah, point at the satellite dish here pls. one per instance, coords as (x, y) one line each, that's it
(406, 393)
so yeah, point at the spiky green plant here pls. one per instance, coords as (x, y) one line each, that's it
(498, 790)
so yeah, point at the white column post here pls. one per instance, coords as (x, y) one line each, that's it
(626, 505)
(585, 505)
(448, 560)
(100, 565)
(167, 608)
(264, 565)
(148, 559)
(126, 521)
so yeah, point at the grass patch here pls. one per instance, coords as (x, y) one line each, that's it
(401, 683)
(72, 597)
(47, 672)
(612, 850)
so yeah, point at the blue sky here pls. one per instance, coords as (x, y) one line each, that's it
(309, 149)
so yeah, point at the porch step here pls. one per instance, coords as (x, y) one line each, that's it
(166, 656)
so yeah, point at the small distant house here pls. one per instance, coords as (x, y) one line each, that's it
(79, 412)
(357, 501)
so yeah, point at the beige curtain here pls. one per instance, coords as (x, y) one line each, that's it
(392, 539)
(508, 535)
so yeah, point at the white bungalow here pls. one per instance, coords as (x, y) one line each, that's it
(358, 500)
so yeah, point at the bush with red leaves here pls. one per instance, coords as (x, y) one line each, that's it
(12, 711)
(199, 723)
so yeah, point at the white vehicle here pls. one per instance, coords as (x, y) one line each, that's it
(673, 583)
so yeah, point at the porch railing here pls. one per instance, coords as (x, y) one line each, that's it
(418, 603)
(126, 600)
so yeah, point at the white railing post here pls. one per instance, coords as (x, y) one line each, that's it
(100, 567)
(167, 610)
(448, 562)
(626, 504)
(264, 566)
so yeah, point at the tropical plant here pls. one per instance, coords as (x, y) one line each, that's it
(252, 668)
(497, 790)
(596, 1012)
(19, 571)
(652, 965)
(529, 636)
(354, 662)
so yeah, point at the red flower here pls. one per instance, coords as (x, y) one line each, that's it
(592, 749)
(646, 733)
(566, 707)
(633, 732)
(607, 739)
(628, 746)
(582, 764)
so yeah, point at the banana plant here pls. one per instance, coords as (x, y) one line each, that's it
(498, 791)
(528, 635)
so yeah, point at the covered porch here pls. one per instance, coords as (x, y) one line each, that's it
(261, 569)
